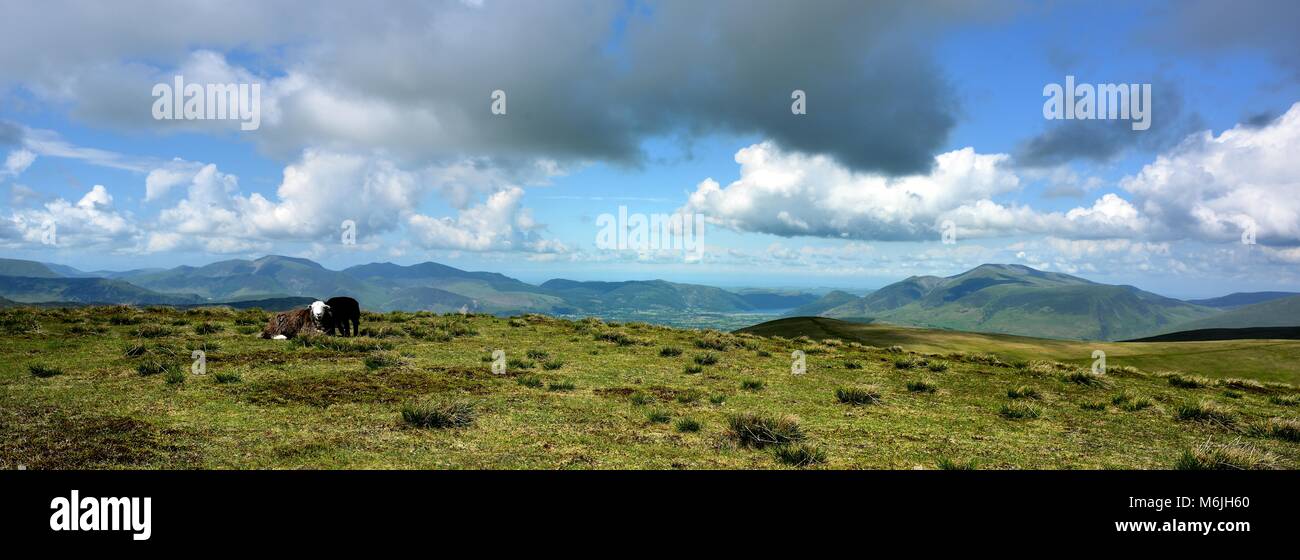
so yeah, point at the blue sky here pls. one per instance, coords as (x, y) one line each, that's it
(917, 115)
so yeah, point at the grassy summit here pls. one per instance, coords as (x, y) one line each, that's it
(113, 388)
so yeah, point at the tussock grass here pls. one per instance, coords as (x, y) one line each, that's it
(1086, 378)
(937, 366)
(852, 365)
(688, 425)
(1204, 411)
(1020, 411)
(1232, 456)
(227, 377)
(921, 387)
(560, 386)
(858, 395)
(948, 464)
(717, 399)
(800, 454)
(43, 371)
(693, 369)
(208, 328)
(670, 351)
(435, 413)
(1287, 429)
(1187, 381)
(1250, 385)
(520, 363)
(752, 384)
(380, 360)
(658, 416)
(151, 367)
(174, 376)
(531, 381)
(1093, 405)
(758, 431)
(552, 364)
(640, 399)
(539, 355)
(905, 363)
(706, 359)
(1131, 402)
(1024, 392)
(1285, 400)
(152, 331)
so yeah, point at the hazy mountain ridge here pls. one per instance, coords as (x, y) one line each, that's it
(991, 298)
(1015, 299)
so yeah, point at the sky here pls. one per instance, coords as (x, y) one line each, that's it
(920, 145)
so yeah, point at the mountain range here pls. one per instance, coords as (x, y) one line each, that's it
(991, 298)
(1016, 299)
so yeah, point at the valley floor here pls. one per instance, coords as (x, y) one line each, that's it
(113, 388)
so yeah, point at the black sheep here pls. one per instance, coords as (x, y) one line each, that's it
(343, 312)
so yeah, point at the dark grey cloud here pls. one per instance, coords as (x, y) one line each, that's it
(1260, 119)
(585, 80)
(1063, 141)
(10, 134)
(1199, 26)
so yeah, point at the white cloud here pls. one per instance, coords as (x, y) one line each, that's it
(499, 224)
(323, 189)
(18, 161)
(792, 194)
(90, 222)
(1214, 187)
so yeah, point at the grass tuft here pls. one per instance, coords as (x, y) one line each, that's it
(439, 414)
(1204, 411)
(43, 371)
(227, 377)
(946, 464)
(858, 395)
(758, 431)
(688, 425)
(1020, 411)
(800, 455)
(1187, 381)
(658, 416)
(670, 351)
(1233, 456)
(1024, 392)
(921, 387)
(560, 386)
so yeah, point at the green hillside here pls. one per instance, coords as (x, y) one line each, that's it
(1267, 360)
(1280, 312)
(85, 290)
(1014, 299)
(269, 276)
(92, 388)
(27, 269)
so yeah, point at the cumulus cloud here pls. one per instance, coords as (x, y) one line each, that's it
(1215, 187)
(499, 224)
(789, 194)
(322, 190)
(90, 222)
(584, 81)
(18, 161)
